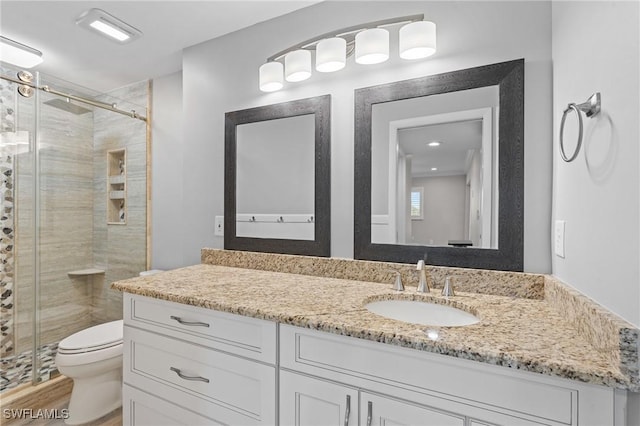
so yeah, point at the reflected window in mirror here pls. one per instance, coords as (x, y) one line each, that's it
(277, 178)
(459, 137)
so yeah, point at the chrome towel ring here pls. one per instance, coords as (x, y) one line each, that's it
(591, 107)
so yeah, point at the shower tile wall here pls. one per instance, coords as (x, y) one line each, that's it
(120, 249)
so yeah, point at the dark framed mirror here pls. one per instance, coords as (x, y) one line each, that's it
(439, 169)
(278, 178)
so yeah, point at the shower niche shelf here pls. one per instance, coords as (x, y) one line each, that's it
(117, 187)
(86, 272)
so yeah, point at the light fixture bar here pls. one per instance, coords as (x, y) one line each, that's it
(107, 25)
(19, 54)
(348, 33)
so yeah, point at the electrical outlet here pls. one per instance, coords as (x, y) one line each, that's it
(219, 224)
(558, 238)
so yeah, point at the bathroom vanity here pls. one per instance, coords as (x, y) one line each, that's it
(214, 344)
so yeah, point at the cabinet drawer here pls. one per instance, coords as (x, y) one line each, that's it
(230, 389)
(244, 336)
(346, 359)
(142, 409)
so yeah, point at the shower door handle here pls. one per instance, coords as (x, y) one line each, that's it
(189, 323)
(192, 378)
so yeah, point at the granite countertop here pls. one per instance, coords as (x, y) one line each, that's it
(514, 332)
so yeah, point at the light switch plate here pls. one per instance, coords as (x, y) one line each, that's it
(558, 238)
(219, 224)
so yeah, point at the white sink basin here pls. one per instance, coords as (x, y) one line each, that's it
(421, 313)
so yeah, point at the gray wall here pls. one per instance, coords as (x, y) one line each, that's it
(598, 194)
(443, 220)
(222, 75)
(168, 174)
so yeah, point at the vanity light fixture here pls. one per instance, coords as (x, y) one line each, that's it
(109, 26)
(369, 42)
(433, 144)
(19, 54)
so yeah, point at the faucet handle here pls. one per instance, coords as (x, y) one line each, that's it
(398, 286)
(423, 282)
(448, 287)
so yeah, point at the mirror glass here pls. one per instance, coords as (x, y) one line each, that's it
(439, 169)
(435, 182)
(275, 178)
(278, 178)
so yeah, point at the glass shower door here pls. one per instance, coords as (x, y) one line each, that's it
(74, 214)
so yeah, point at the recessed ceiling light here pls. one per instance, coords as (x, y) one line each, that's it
(19, 54)
(107, 25)
(434, 143)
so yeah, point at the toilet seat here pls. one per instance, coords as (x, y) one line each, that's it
(97, 338)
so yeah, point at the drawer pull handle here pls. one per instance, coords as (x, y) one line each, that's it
(369, 413)
(192, 378)
(347, 412)
(190, 323)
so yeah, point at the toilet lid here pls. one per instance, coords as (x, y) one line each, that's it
(93, 338)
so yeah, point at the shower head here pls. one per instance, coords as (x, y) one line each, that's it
(67, 106)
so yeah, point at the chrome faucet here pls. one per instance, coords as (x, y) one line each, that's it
(424, 286)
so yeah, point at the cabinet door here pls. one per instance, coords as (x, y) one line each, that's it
(377, 410)
(305, 401)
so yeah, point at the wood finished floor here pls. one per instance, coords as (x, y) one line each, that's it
(112, 419)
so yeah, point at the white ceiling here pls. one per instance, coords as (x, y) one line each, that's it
(456, 139)
(74, 54)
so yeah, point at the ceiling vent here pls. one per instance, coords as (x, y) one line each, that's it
(99, 21)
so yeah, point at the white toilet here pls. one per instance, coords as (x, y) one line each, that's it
(93, 359)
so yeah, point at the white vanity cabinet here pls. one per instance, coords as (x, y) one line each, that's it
(194, 366)
(404, 386)
(189, 365)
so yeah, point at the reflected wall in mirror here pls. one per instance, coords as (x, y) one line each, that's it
(269, 203)
(439, 169)
(277, 178)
